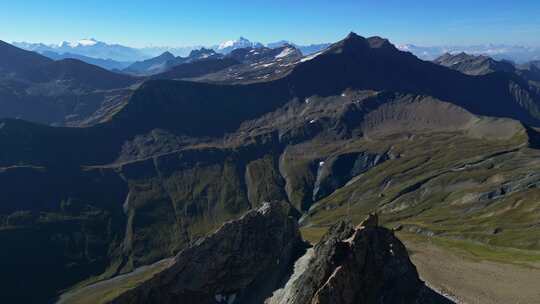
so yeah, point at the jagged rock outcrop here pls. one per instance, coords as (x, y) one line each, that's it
(366, 264)
(251, 260)
(243, 262)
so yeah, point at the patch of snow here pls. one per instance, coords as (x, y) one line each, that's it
(343, 95)
(310, 57)
(225, 299)
(307, 101)
(283, 295)
(312, 121)
(226, 44)
(286, 52)
(265, 208)
(321, 163)
(268, 64)
(87, 42)
(236, 44)
(82, 42)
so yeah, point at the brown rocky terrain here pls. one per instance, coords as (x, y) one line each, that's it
(242, 262)
(366, 264)
(471, 280)
(247, 260)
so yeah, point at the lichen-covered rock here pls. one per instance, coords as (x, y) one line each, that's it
(243, 262)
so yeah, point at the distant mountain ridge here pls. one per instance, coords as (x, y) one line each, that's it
(97, 49)
(204, 61)
(167, 61)
(240, 43)
(482, 65)
(59, 92)
(93, 48)
(257, 65)
(149, 66)
(474, 65)
(516, 53)
(108, 64)
(88, 47)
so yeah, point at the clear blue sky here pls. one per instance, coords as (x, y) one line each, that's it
(203, 22)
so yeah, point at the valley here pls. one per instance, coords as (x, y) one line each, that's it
(165, 158)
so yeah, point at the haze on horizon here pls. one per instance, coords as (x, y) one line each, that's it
(184, 23)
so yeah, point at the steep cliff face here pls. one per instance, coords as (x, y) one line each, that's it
(250, 260)
(338, 170)
(243, 262)
(366, 264)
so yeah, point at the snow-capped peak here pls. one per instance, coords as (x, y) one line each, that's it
(286, 52)
(87, 42)
(235, 44)
(226, 44)
(79, 43)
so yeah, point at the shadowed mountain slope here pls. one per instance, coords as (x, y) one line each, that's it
(167, 61)
(360, 126)
(196, 68)
(474, 65)
(108, 64)
(67, 91)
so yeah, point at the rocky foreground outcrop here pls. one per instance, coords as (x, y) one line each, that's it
(250, 261)
(243, 262)
(366, 264)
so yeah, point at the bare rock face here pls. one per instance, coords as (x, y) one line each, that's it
(243, 262)
(371, 221)
(256, 259)
(366, 264)
(338, 170)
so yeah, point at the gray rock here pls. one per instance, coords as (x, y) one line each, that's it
(363, 265)
(243, 262)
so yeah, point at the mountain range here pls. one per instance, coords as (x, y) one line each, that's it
(108, 64)
(515, 53)
(176, 164)
(89, 48)
(37, 88)
(483, 65)
(167, 61)
(115, 56)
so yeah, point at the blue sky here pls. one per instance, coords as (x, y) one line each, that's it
(180, 23)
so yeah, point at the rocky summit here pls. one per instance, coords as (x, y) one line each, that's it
(242, 262)
(250, 260)
(363, 264)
